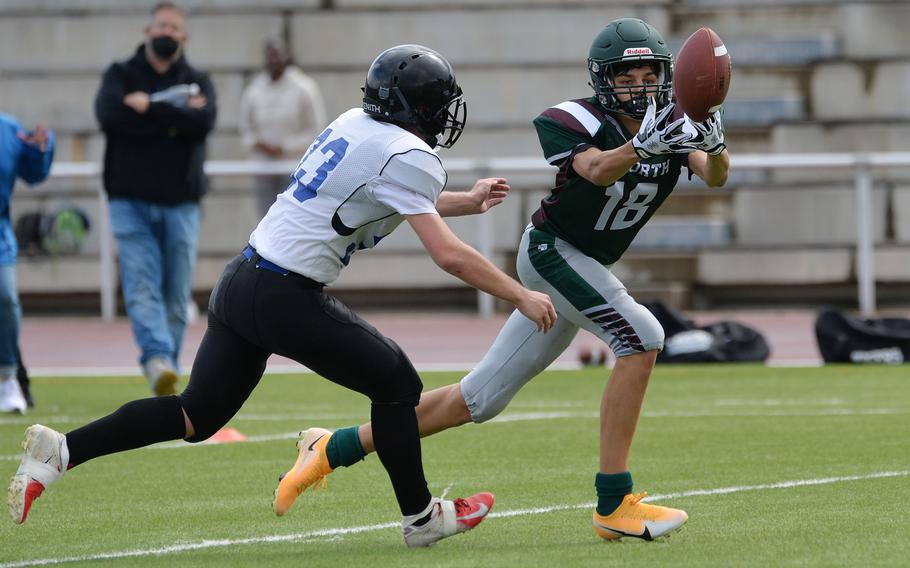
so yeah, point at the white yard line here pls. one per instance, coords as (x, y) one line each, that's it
(326, 534)
(293, 369)
(530, 416)
(276, 369)
(504, 419)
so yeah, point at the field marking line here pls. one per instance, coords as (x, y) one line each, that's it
(512, 417)
(132, 371)
(295, 369)
(520, 416)
(530, 416)
(343, 531)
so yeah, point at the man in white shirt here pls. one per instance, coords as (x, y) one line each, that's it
(370, 169)
(280, 113)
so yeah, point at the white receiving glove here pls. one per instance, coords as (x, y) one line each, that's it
(710, 134)
(657, 135)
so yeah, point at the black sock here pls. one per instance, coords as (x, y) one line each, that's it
(397, 442)
(133, 425)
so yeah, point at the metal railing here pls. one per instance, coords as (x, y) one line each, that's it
(861, 164)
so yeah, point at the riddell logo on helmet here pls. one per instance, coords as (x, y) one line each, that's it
(637, 51)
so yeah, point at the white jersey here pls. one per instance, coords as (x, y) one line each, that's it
(350, 190)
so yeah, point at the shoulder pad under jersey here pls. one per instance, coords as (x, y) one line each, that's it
(417, 169)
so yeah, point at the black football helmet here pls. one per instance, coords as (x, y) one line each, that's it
(630, 42)
(413, 85)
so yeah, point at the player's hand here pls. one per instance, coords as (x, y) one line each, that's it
(488, 193)
(711, 132)
(138, 101)
(537, 307)
(658, 135)
(38, 138)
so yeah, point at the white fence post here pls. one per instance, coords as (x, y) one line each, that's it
(485, 302)
(106, 246)
(865, 261)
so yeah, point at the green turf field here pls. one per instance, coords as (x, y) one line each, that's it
(776, 467)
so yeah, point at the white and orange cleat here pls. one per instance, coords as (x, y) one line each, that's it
(448, 518)
(44, 461)
(636, 519)
(311, 467)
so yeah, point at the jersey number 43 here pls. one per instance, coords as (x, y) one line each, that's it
(325, 161)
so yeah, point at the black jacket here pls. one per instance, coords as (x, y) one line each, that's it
(156, 156)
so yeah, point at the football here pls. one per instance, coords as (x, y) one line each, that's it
(701, 74)
(590, 356)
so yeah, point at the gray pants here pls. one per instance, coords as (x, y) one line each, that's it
(585, 293)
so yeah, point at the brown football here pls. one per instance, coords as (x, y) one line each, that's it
(701, 74)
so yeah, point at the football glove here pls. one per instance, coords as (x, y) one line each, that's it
(710, 134)
(658, 135)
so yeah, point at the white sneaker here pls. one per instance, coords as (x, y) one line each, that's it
(448, 518)
(44, 461)
(11, 397)
(161, 376)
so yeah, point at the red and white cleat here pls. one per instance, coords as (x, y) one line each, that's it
(449, 518)
(44, 461)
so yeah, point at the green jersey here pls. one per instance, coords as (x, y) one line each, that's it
(599, 221)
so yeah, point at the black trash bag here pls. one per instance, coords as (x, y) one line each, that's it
(719, 342)
(847, 339)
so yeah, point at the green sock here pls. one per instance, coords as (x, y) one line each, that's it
(611, 488)
(344, 447)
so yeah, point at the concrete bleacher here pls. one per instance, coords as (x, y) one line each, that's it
(809, 76)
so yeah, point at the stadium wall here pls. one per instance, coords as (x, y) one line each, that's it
(809, 76)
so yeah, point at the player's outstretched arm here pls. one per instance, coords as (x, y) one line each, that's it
(461, 260)
(486, 194)
(713, 169)
(605, 167)
(658, 135)
(711, 163)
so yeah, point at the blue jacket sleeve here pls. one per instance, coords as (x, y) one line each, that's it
(34, 165)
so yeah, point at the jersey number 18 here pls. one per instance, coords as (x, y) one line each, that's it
(634, 206)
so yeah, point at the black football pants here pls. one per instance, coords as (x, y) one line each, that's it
(254, 312)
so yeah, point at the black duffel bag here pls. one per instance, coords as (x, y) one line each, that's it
(720, 342)
(847, 339)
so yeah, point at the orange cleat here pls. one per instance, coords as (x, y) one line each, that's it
(636, 519)
(311, 467)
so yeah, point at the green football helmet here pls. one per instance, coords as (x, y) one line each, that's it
(625, 42)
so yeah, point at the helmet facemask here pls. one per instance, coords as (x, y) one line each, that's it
(603, 76)
(441, 128)
(448, 122)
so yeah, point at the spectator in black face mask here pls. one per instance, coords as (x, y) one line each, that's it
(156, 112)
